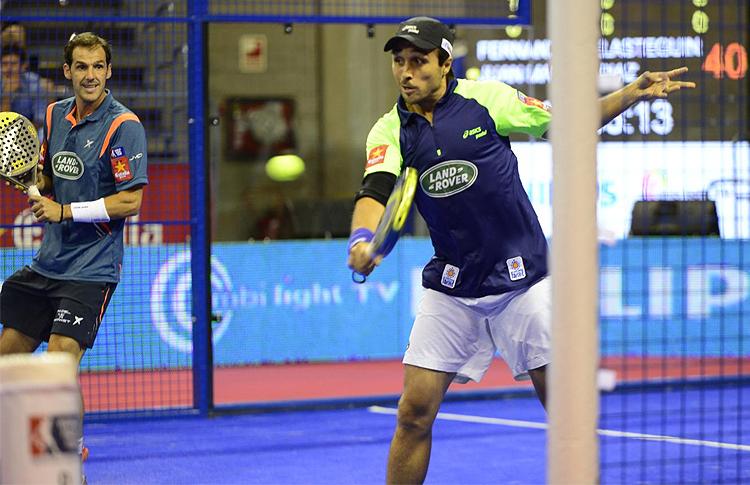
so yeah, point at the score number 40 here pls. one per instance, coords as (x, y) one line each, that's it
(731, 61)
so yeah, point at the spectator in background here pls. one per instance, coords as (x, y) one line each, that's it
(13, 33)
(22, 90)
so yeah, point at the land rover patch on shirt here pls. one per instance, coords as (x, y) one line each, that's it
(67, 165)
(485, 233)
(448, 178)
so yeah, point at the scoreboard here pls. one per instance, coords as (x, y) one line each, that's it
(710, 37)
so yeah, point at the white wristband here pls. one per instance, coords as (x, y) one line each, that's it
(91, 211)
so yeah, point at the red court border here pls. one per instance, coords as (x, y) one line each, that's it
(158, 389)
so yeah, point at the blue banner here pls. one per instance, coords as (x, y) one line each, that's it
(295, 301)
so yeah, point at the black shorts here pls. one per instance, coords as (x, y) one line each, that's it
(38, 306)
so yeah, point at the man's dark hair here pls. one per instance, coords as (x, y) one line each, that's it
(442, 56)
(88, 40)
(15, 50)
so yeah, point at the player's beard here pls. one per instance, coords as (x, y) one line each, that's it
(424, 96)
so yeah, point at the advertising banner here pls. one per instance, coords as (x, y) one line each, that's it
(284, 302)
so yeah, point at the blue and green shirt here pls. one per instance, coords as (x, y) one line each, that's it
(100, 155)
(485, 233)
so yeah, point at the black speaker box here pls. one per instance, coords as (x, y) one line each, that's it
(674, 218)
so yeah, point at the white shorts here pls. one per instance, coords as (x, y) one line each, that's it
(461, 335)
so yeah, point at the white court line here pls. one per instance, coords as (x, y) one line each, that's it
(604, 432)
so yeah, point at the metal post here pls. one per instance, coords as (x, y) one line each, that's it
(200, 215)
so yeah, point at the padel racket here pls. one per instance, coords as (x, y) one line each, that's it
(392, 223)
(19, 151)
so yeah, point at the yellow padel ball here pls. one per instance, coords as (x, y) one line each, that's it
(285, 168)
(473, 73)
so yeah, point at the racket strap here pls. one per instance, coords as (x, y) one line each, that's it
(360, 234)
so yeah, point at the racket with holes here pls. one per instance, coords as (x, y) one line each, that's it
(19, 151)
(394, 218)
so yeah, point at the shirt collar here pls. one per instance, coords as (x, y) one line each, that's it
(99, 112)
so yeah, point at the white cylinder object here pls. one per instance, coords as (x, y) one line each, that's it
(572, 396)
(40, 421)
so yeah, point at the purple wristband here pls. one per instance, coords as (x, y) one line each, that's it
(361, 234)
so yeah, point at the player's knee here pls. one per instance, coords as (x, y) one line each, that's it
(59, 343)
(416, 416)
(14, 342)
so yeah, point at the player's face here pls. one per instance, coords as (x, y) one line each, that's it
(420, 77)
(11, 68)
(88, 72)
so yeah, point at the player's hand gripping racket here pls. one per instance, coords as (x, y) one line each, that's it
(392, 223)
(19, 151)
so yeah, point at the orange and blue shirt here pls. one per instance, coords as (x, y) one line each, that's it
(486, 236)
(100, 155)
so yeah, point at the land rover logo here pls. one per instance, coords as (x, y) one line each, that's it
(448, 178)
(67, 165)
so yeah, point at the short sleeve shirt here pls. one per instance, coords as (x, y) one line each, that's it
(485, 233)
(100, 155)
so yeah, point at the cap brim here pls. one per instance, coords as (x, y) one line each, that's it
(416, 41)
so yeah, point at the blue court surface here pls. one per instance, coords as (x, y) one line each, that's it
(679, 436)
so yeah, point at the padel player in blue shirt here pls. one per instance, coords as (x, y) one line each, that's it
(94, 169)
(486, 286)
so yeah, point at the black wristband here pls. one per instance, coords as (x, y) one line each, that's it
(62, 211)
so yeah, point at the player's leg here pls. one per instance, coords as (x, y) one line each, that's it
(61, 343)
(79, 312)
(26, 316)
(79, 309)
(539, 379)
(412, 441)
(14, 342)
(449, 339)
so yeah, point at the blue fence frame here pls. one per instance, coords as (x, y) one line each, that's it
(196, 16)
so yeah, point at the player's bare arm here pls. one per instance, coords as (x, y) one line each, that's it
(649, 85)
(125, 203)
(367, 214)
(122, 204)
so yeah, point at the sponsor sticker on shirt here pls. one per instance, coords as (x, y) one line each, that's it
(528, 100)
(450, 275)
(448, 178)
(67, 165)
(376, 156)
(516, 268)
(120, 165)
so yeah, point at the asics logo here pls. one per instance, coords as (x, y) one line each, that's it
(477, 133)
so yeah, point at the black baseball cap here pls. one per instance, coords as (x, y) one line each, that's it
(424, 33)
